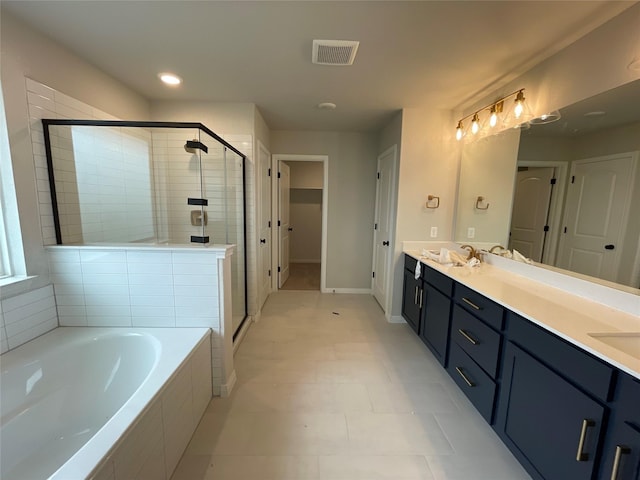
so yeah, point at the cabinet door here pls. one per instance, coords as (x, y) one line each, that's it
(412, 300)
(552, 427)
(434, 328)
(621, 457)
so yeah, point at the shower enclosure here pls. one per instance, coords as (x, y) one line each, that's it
(148, 182)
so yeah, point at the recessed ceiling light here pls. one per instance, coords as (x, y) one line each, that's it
(595, 113)
(170, 78)
(327, 106)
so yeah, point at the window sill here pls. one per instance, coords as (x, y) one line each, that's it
(15, 285)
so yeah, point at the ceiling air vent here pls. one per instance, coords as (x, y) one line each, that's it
(334, 52)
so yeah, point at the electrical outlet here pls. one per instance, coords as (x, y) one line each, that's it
(434, 232)
(471, 232)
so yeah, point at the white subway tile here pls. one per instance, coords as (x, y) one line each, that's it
(196, 311)
(25, 299)
(205, 268)
(203, 303)
(72, 310)
(153, 311)
(73, 321)
(31, 321)
(69, 300)
(152, 300)
(109, 321)
(105, 279)
(108, 310)
(153, 322)
(100, 268)
(33, 332)
(210, 291)
(150, 290)
(67, 279)
(65, 268)
(150, 280)
(103, 256)
(196, 280)
(148, 257)
(189, 321)
(39, 88)
(208, 257)
(102, 300)
(150, 268)
(18, 315)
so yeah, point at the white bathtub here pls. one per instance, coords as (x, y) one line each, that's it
(72, 396)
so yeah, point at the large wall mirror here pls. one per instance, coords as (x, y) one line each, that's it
(575, 189)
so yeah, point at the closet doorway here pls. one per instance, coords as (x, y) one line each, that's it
(301, 214)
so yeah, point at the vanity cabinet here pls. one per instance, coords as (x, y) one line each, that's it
(621, 454)
(412, 294)
(552, 405)
(436, 313)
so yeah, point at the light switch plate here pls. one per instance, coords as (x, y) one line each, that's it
(471, 232)
(434, 232)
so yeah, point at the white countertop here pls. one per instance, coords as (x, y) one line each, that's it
(567, 315)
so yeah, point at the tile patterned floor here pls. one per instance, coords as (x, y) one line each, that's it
(328, 390)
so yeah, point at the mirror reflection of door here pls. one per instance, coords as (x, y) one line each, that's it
(529, 219)
(283, 222)
(596, 214)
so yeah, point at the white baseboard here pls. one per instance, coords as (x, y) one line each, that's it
(310, 260)
(225, 389)
(364, 291)
(397, 319)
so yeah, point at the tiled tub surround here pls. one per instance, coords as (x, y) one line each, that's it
(103, 403)
(559, 311)
(149, 286)
(26, 316)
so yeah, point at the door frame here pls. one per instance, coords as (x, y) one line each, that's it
(261, 295)
(556, 206)
(276, 158)
(393, 150)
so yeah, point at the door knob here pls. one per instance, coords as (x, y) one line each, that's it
(385, 243)
(290, 229)
(609, 247)
(263, 240)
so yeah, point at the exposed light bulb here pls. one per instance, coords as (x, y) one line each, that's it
(519, 108)
(459, 131)
(475, 124)
(493, 119)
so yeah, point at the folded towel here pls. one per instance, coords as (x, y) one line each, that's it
(417, 272)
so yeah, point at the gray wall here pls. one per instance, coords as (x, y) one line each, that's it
(351, 196)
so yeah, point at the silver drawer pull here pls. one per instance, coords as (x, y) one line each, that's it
(421, 295)
(464, 377)
(472, 340)
(469, 302)
(620, 450)
(581, 456)
(415, 296)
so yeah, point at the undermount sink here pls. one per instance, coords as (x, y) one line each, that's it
(627, 342)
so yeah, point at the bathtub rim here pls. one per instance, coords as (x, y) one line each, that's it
(88, 459)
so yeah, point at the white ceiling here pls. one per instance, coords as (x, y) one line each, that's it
(418, 53)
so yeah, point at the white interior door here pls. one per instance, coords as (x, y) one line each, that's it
(284, 188)
(264, 225)
(383, 227)
(596, 212)
(530, 211)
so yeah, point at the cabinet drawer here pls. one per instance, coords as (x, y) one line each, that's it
(438, 280)
(410, 262)
(480, 306)
(475, 384)
(573, 363)
(480, 342)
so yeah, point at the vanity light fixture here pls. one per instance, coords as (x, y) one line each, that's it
(495, 111)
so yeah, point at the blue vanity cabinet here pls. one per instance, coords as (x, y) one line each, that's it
(621, 454)
(412, 294)
(552, 406)
(436, 313)
(475, 348)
